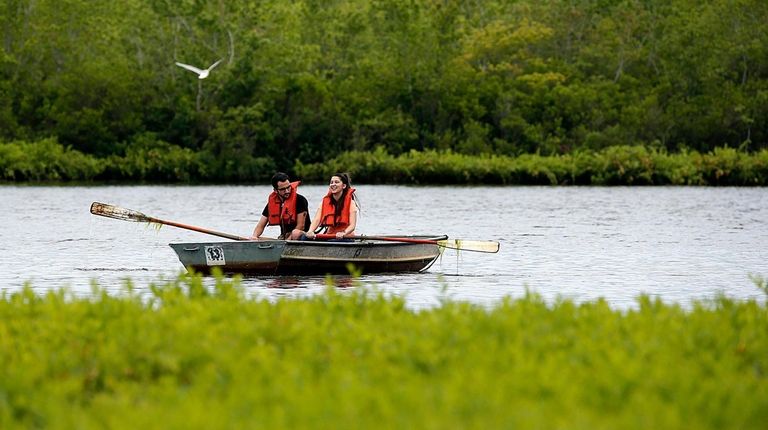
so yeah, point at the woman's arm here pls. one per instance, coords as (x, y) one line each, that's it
(350, 230)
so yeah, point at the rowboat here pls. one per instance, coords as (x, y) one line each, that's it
(368, 254)
(383, 254)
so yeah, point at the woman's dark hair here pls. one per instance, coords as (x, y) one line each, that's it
(344, 179)
(339, 205)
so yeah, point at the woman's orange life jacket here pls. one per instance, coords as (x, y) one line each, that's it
(283, 212)
(328, 216)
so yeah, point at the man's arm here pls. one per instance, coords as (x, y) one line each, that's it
(302, 212)
(301, 220)
(259, 227)
(315, 223)
(302, 217)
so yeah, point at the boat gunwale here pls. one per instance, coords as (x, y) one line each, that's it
(356, 242)
(364, 241)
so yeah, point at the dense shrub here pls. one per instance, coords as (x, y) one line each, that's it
(190, 354)
(615, 165)
(154, 160)
(46, 160)
(149, 159)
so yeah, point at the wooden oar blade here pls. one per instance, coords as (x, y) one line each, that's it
(116, 212)
(470, 245)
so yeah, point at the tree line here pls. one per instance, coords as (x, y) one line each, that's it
(310, 80)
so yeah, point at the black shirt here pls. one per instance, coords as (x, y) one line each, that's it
(301, 207)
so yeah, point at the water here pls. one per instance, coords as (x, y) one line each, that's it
(677, 243)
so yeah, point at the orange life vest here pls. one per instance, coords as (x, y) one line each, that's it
(286, 215)
(328, 216)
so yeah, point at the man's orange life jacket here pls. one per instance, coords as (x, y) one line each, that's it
(328, 216)
(286, 215)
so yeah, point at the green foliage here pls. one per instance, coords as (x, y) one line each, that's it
(199, 354)
(154, 160)
(310, 80)
(45, 160)
(614, 165)
(149, 159)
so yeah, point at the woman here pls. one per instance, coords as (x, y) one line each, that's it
(338, 210)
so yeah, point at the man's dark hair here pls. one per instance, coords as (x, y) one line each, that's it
(279, 177)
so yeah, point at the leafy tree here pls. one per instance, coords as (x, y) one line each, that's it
(310, 79)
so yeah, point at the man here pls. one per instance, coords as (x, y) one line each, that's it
(286, 208)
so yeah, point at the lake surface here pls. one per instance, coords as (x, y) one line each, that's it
(676, 243)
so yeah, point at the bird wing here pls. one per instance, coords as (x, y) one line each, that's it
(190, 68)
(214, 65)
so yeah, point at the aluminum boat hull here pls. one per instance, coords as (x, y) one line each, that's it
(280, 257)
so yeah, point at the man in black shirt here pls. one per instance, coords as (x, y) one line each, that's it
(286, 208)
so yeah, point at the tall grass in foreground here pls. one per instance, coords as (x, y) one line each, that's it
(191, 357)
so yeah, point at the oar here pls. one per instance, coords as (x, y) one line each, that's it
(460, 244)
(116, 212)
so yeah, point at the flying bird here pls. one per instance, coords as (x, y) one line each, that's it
(202, 74)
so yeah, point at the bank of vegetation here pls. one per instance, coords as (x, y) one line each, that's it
(309, 80)
(48, 161)
(187, 355)
(616, 165)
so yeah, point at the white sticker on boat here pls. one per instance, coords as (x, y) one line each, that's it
(214, 256)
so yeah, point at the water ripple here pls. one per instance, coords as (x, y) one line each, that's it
(677, 243)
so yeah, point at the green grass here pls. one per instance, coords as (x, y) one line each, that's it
(188, 356)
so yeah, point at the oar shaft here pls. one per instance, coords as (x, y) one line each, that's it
(402, 239)
(386, 238)
(198, 229)
(461, 245)
(116, 212)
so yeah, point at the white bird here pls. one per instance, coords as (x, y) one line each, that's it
(202, 74)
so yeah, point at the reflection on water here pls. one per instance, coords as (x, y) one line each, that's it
(284, 282)
(676, 243)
